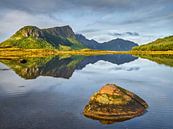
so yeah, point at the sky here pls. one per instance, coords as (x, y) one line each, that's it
(141, 21)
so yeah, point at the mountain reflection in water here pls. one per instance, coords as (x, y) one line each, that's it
(50, 101)
(160, 59)
(59, 66)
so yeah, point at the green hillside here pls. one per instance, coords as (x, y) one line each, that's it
(163, 44)
(31, 37)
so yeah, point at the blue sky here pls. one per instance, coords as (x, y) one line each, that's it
(102, 20)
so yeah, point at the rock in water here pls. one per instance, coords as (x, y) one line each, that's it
(23, 61)
(113, 103)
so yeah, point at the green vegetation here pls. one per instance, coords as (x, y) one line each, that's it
(76, 44)
(27, 43)
(33, 67)
(163, 44)
(160, 59)
(23, 68)
(31, 37)
(31, 41)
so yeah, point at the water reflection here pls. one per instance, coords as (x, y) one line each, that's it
(115, 59)
(160, 59)
(58, 66)
(50, 102)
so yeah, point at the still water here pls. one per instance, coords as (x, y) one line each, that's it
(51, 92)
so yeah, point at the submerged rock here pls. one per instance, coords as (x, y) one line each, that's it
(113, 103)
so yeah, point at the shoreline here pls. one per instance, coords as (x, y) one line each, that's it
(16, 52)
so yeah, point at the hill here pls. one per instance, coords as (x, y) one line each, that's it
(163, 44)
(32, 37)
(115, 44)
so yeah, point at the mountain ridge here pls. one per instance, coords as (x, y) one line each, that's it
(114, 44)
(61, 38)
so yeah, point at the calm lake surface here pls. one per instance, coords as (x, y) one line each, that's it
(51, 92)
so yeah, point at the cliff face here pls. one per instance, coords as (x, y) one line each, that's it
(29, 31)
(65, 31)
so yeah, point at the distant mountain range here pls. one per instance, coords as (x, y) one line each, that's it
(163, 44)
(115, 44)
(62, 38)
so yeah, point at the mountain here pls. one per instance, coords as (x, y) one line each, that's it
(116, 44)
(62, 38)
(163, 44)
(32, 37)
(92, 44)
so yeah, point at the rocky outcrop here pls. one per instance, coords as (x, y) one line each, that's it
(30, 31)
(113, 103)
(64, 31)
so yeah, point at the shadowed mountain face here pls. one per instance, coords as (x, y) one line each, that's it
(65, 31)
(63, 67)
(115, 44)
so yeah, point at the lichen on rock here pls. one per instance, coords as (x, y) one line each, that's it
(113, 103)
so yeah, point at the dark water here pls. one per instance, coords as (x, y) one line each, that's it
(51, 92)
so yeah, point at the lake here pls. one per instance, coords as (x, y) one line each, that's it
(51, 92)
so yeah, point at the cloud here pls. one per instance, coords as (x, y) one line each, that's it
(132, 33)
(49, 6)
(14, 20)
(60, 5)
(88, 30)
(94, 18)
(124, 34)
(124, 68)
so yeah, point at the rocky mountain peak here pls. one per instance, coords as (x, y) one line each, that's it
(64, 31)
(30, 31)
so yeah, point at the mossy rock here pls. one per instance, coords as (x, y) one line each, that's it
(113, 103)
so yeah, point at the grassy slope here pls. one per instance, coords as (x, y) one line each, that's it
(51, 42)
(163, 44)
(31, 42)
(27, 43)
